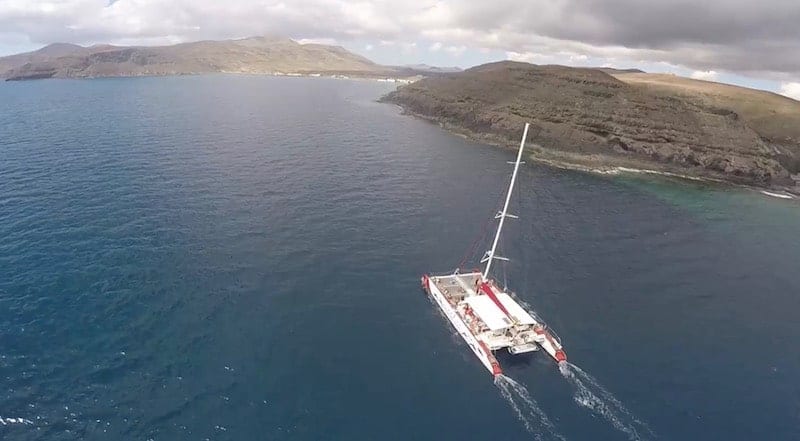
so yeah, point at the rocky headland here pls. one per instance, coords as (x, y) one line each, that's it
(604, 118)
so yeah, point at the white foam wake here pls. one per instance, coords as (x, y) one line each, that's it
(777, 195)
(7, 421)
(590, 394)
(528, 411)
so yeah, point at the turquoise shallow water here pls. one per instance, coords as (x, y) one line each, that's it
(232, 257)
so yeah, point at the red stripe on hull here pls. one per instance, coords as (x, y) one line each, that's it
(496, 370)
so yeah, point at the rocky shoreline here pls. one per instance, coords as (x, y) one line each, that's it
(586, 119)
(605, 165)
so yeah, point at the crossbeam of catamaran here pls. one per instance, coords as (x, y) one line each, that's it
(489, 318)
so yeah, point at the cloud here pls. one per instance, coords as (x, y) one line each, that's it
(408, 47)
(455, 50)
(734, 36)
(328, 41)
(561, 57)
(707, 75)
(792, 90)
(526, 57)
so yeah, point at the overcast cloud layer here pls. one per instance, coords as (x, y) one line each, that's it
(755, 38)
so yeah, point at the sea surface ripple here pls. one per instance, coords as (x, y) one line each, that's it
(235, 257)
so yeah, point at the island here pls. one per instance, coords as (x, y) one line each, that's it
(254, 55)
(607, 119)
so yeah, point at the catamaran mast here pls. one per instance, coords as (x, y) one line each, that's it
(489, 257)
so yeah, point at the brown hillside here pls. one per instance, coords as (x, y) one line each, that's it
(591, 116)
(250, 55)
(775, 117)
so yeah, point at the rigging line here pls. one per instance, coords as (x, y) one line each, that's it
(504, 249)
(520, 226)
(484, 230)
(504, 263)
(490, 257)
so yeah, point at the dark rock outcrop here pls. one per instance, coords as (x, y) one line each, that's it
(589, 116)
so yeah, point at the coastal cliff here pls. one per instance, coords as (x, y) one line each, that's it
(592, 117)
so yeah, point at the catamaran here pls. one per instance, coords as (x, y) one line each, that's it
(487, 317)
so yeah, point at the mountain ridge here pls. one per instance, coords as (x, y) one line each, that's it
(248, 55)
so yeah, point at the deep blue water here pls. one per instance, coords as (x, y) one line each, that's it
(235, 258)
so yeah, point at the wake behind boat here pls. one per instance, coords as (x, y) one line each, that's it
(487, 317)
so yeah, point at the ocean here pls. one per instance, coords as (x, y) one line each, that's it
(238, 258)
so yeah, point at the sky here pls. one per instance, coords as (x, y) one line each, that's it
(745, 42)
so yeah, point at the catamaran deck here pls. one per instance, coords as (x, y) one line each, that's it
(457, 286)
(496, 319)
(464, 287)
(493, 316)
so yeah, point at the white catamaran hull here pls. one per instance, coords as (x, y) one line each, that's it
(478, 347)
(486, 317)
